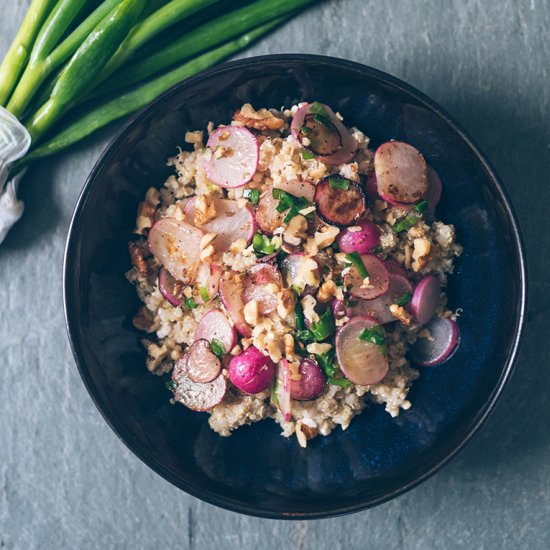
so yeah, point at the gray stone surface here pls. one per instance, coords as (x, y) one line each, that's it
(65, 479)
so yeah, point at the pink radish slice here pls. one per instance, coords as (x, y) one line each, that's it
(371, 187)
(363, 241)
(215, 325)
(363, 362)
(425, 298)
(433, 195)
(444, 337)
(348, 147)
(176, 245)
(267, 217)
(395, 267)
(379, 279)
(400, 172)
(208, 276)
(401, 205)
(283, 389)
(251, 371)
(238, 160)
(379, 308)
(340, 206)
(312, 383)
(194, 395)
(168, 287)
(232, 222)
(298, 188)
(231, 295)
(338, 308)
(292, 265)
(255, 286)
(202, 364)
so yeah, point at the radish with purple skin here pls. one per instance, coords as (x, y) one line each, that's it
(266, 215)
(401, 172)
(435, 188)
(362, 238)
(251, 371)
(170, 289)
(425, 299)
(439, 345)
(203, 365)
(297, 188)
(378, 275)
(361, 360)
(340, 201)
(177, 246)
(208, 277)
(234, 156)
(194, 395)
(261, 283)
(231, 295)
(214, 325)
(311, 384)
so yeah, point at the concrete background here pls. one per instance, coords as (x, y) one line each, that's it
(65, 479)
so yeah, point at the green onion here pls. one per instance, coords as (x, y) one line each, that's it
(378, 250)
(336, 182)
(342, 382)
(253, 195)
(191, 304)
(263, 244)
(317, 108)
(375, 335)
(171, 385)
(404, 299)
(289, 202)
(217, 348)
(421, 206)
(306, 155)
(299, 315)
(323, 328)
(203, 291)
(357, 262)
(406, 223)
(274, 397)
(305, 336)
(327, 362)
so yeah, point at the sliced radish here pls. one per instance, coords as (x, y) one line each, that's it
(425, 298)
(231, 295)
(433, 350)
(371, 187)
(176, 245)
(215, 325)
(208, 276)
(311, 384)
(395, 267)
(379, 308)
(298, 188)
(340, 206)
(338, 308)
(363, 362)
(283, 389)
(251, 371)
(435, 188)
(234, 157)
(401, 205)
(232, 222)
(261, 283)
(267, 217)
(202, 364)
(333, 143)
(400, 172)
(194, 395)
(362, 241)
(297, 266)
(170, 288)
(379, 279)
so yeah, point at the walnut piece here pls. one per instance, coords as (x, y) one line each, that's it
(259, 120)
(138, 253)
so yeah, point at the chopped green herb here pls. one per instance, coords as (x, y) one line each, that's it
(204, 294)
(317, 108)
(253, 196)
(171, 385)
(305, 336)
(274, 396)
(262, 244)
(324, 121)
(217, 348)
(299, 315)
(334, 246)
(342, 382)
(421, 206)
(374, 335)
(306, 155)
(357, 262)
(338, 183)
(323, 328)
(191, 304)
(327, 362)
(378, 250)
(406, 223)
(289, 202)
(297, 289)
(404, 299)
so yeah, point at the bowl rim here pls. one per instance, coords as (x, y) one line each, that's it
(69, 286)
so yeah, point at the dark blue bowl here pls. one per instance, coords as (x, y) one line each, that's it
(256, 471)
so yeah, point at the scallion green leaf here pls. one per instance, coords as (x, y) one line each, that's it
(191, 304)
(327, 362)
(171, 385)
(374, 335)
(306, 155)
(357, 262)
(404, 299)
(263, 245)
(342, 382)
(217, 348)
(421, 206)
(336, 182)
(317, 108)
(406, 223)
(203, 291)
(253, 196)
(323, 328)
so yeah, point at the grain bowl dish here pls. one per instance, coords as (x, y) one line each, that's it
(287, 271)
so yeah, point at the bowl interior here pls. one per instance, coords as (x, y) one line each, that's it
(256, 470)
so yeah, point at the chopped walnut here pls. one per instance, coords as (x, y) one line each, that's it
(327, 291)
(401, 313)
(420, 253)
(205, 210)
(146, 211)
(138, 252)
(285, 303)
(259, 120)
(156, 355)
(289, 346)
(207, 239)
(143, 320)
(251, 314)
(207, 254)
(318, 349)
(309, 432)
(296, 230)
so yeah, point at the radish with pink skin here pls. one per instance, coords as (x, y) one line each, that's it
(443, 340)
(168, 288)
(195, 395)
(425, 298)
(234, 156)
(362, 361)
(363, 241)
(311, 384)
(208, 277)
(283, 389)
(232, 222)
(214, 325)
(371, 187)
(257, 285)
(435, 188)
(379, 279)
(293, 264)
(203, 365)
(177, 246)
(251, 371)
(266, 215)
(298, 188)
(231, 295)
(340, 206)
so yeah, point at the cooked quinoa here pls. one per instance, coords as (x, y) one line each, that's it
(425, 247)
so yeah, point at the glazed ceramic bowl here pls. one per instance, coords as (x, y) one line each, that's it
(256, 471)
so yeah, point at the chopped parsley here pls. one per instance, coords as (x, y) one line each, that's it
(263, 244)
(374, 335)
(306, 155)
(171, 385)
(217, 348)
(357, 262)
(327, 362)
(404, 299)
(323, 328)
(336, 182)
(203, 291)
(289, 202)
(342, 382)
(406, 223)
(317, 108)
(274, 396)
(191, 304)
(421, 206)
(253, 195)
